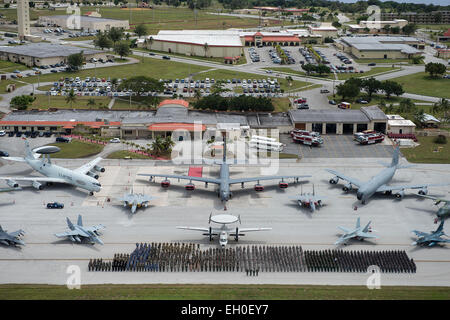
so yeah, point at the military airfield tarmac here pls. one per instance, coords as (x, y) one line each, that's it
(45, 258)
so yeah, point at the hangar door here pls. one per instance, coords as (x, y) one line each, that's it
(380, 126)
(301, 126)
(347, 128)
(317, 127)
(331, 128)
(361, 127)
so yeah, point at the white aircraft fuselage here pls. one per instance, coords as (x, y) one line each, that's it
(369, 188)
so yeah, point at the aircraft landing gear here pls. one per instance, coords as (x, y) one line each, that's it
(91, 193)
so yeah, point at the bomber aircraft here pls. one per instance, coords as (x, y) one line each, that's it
(224, 181)
(358, 233)
(224, 231)
(12, 238)
(309, 200)
(78, 232)
(135, 200)
(379, 182)
(431, 239)
(83, 177)
(444, 211)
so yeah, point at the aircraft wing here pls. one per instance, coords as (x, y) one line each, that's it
(174, 176)
(43, 179)
(18, 159)
(68, 234)
(420, 233)
(347, 231)
(95, 228)
(438, 200)
(242, 180)
(366, 235)
(385, 187)
(353, 181)
(251, 230)
(194, 228)
(16, 233)
(88, 166)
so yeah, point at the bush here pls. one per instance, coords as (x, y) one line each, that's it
(441, 139)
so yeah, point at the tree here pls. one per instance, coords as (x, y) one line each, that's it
(435, 69)
(197, 95)
(122, 49)
(336, 24)
(218, 87)
(158, 145)
(21, 102)
(167, 145)
(348, 90)
(141, 84)
(71, 97)
(75, 61)
(150, 42)
(406, 106)
(103, 41)
(391, 87)
(419, 117)
(395, 30)
(91, 102)
(289, 80)
(417, 59)
(442, 106)
(409, 29)
(387, 28)
(321, 68)
(140, 30)
(206, 47)
(115, 34)
(308, 68)
(371, 86)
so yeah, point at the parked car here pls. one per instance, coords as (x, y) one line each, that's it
(332, 102)
(324, 91)
(166, 57)
(115, 140)
(55, 205)
(62, 139)
(362, 101)
(372, 64)
(2, 133)
(4, 154)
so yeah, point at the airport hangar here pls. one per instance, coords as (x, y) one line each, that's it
(87, 23)
(174, 118)
(41, 54)
(381, 47)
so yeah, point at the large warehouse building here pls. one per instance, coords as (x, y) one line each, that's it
(381, 47)
(87, 23)
(41, 54)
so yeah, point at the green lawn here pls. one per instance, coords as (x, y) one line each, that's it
(76, 149)
(422, 83)
(442, 27)
(8, 66)
(366, 61)
(5, 83)
(221, 292)
(126, 154)
(281, 104)
(45, 102)
(425, 153)
(80, 38)
(376, 99)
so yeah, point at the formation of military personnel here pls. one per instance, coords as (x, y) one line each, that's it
(392, 261)
(182, 257)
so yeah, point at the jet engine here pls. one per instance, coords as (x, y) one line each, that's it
(347, 187)
(12, 183)
(283, 185)
(99, 169)
(190, 187)
(258, 187)
(334, 180)
(400, 194)
(92, 174)
(423, 191)
(165, 183)
(37, 185)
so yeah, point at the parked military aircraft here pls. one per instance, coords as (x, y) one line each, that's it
(83, 177)
(378, 183)
(309, 200)
(431, 239)
(135, 200)
(358, 233)
(444, 211)
(77, 232)
(224, 231)
(224, 180)
(12, 238)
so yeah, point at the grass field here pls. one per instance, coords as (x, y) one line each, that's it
(221, 292)
(5, 83)
(45, 102)
(8, 66)
(76, 149)
(122, 154)
(281, 104)
(376, 99)
(422, 83)
(426, 152)
(366, 61)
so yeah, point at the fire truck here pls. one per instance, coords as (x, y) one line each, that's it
(370, 138)
(306, 137)
(363, 133)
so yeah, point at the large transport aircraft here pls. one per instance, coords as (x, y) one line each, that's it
(224, 180)
(378, 183)
(84, 177)
(224, 231)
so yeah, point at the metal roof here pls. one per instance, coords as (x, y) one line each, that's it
(83, 18)
(328, 116)
(374, 113)
(46, 50)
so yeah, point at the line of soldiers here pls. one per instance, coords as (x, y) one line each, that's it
(182, 257)
(392, 261)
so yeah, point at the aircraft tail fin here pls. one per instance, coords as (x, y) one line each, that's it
(225, 148)
(366, 228)
(441, 227)
(395, 156)
(80, 220)
(28, 152)
(1, 229)
(70, 224)
(358, 223)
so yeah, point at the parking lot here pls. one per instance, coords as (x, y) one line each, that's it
(338, 146)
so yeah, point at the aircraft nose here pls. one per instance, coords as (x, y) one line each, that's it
(359, 195)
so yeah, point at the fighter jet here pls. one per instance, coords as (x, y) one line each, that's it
(83, 177)
(77, 232)
(12, 238)
(309, 200)
(358, 233)
(444, 211)
(378, 183)
(224, 231)
(430, 239)
(135, 200)
(224, 182)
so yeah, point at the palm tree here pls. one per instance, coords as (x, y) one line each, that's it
(71, 97)
(206, 47)
(157, 145)
(167, 145)
(442, 106)
(91, 102)
(289, 80)
(150, 41)
(197, 95)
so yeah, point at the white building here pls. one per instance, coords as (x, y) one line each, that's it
(398, 124)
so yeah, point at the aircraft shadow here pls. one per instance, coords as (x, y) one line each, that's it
(12, 247)
(82, 243)
(205, 241)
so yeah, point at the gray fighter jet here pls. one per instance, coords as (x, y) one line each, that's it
(84, 177)
(12, 238)
(308, 200)
(444, 211)
(77, 232)
(378, 183)
(224, 180)
(430, 239)
(358, 233)
(224, 231)
(135, 200)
